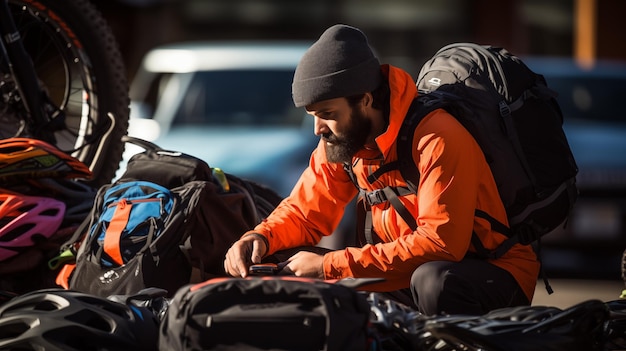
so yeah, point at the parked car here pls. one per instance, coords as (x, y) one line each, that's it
(595, 125)
(228, 103)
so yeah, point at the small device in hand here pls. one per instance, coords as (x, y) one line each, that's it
(264, 269)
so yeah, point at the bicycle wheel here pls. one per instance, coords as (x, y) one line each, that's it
(80, 68)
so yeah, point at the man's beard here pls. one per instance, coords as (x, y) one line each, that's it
(341, 148)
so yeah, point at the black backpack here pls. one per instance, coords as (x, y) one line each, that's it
(266, 313)
(167, 221)
(517, 122)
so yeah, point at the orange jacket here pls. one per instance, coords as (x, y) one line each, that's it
(454, 181)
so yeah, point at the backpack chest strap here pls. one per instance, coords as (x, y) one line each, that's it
(392, 195)
(379, 196)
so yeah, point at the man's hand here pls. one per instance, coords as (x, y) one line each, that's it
(306, 264)
(244, 252)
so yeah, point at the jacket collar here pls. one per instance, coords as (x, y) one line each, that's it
(402, 92)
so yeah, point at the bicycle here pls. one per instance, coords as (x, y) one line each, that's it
(63, 81)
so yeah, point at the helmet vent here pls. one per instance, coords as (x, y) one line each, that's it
(13, 330)
(17, 232)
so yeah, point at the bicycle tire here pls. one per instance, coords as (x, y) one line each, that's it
(79, 64)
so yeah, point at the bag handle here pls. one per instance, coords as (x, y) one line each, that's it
(141, 142)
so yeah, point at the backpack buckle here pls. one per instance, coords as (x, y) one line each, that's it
(505, 110)
(528, 232)
(375, 197)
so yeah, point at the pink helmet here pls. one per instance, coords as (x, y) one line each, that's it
(26, 219)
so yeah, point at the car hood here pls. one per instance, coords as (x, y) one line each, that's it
(271, 156)
(600, 152)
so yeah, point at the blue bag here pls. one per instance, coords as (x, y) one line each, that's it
(148, 206)
(165, 223)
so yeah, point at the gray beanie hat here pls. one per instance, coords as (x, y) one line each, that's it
(339, 64)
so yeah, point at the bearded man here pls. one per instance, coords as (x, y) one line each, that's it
(358, 106)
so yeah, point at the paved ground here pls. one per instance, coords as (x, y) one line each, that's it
(568, 292)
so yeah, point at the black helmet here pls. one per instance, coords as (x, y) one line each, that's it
(77, 195)
(57, 319)
(523, 328)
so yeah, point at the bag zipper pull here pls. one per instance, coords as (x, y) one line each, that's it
(221, 178)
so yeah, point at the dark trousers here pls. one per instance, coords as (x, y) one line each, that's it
(471, 286)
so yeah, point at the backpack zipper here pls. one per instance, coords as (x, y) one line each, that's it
(282, 320)
(123, 202)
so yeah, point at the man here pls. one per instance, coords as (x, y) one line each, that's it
(358, 106)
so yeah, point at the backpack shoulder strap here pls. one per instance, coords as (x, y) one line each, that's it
(424, 104)
(365, 233)
(419, 108)
(404, 143)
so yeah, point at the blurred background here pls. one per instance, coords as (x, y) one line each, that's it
(405, 32)
(579, 45)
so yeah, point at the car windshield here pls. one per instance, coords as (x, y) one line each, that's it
(591, 98)
(246, 98)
